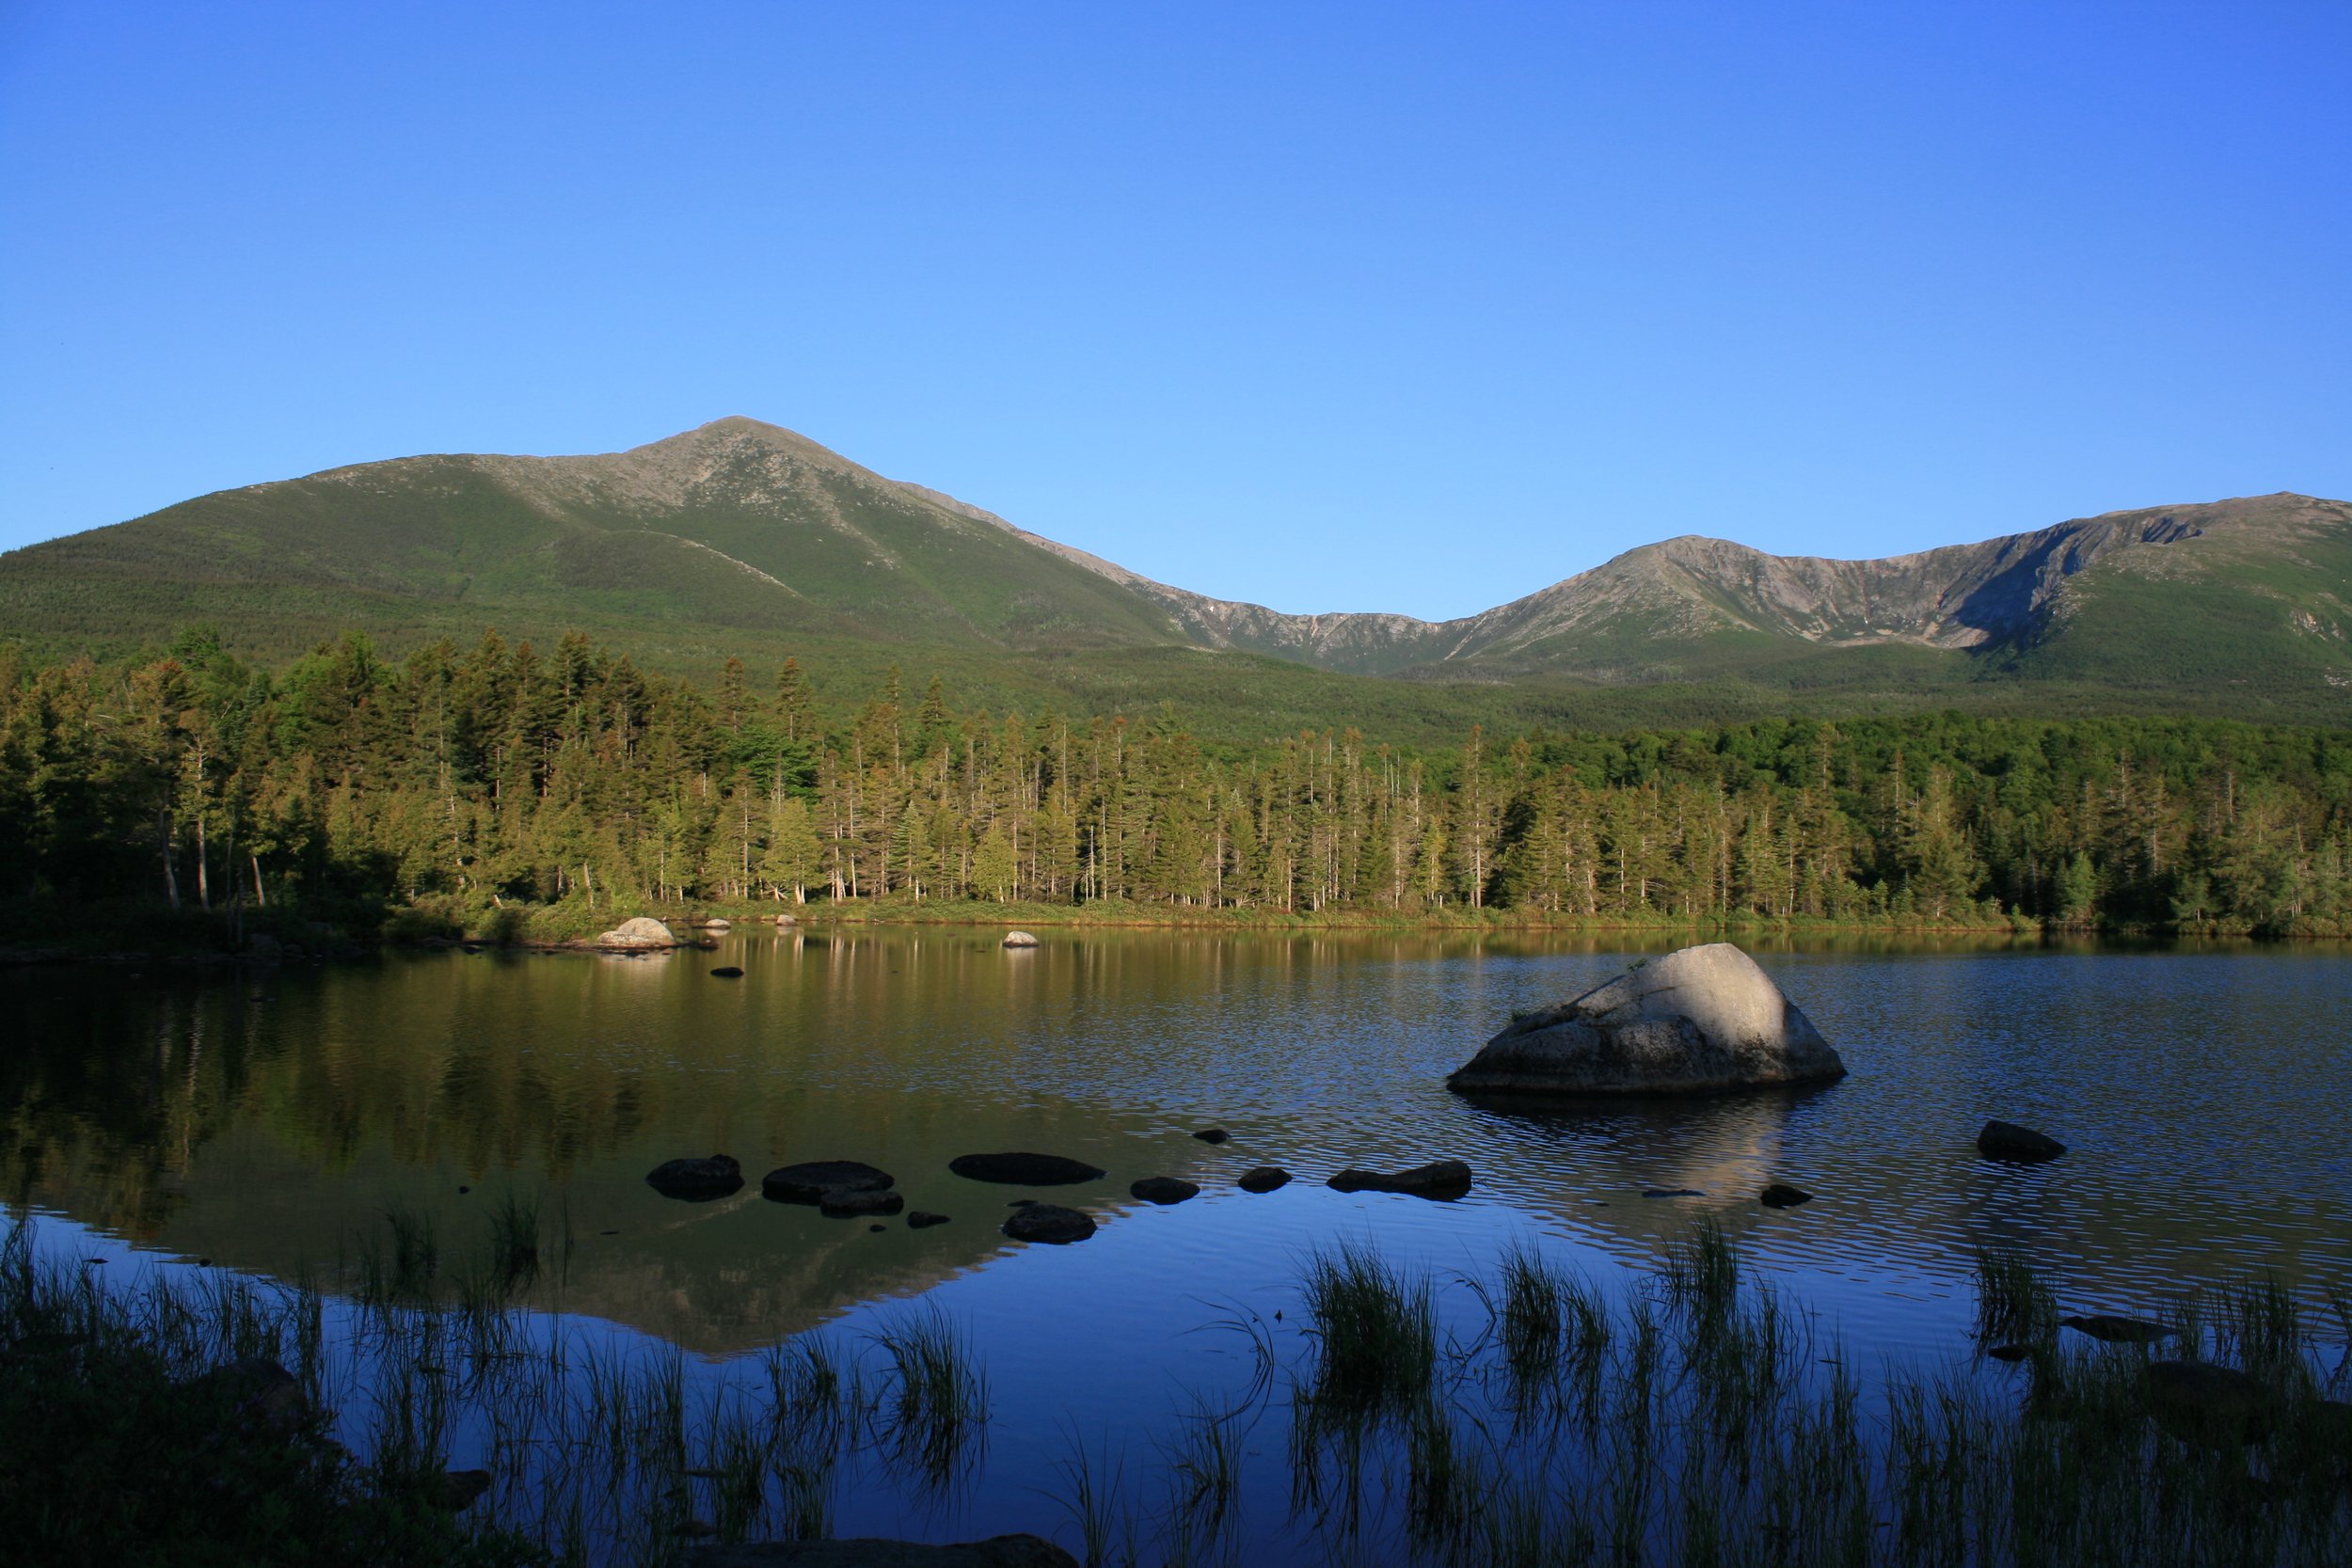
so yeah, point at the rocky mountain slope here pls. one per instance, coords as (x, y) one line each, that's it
(742, 536)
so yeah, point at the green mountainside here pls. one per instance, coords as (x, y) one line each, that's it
(741, 539)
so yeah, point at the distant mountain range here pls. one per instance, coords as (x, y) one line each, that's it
(742, 537)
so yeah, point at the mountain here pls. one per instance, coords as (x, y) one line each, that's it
(741, 537)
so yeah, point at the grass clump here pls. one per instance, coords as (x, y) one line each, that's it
(170, 1431)
(1375, 1329)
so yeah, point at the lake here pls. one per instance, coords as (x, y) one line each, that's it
(267, 1123)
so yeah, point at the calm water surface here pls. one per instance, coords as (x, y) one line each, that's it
(267, 1124)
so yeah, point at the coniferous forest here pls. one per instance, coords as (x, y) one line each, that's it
(507, 789)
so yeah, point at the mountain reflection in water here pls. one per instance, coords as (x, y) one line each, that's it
(269, 1121)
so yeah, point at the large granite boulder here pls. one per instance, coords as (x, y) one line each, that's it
(1699, 1020)
(639, 933)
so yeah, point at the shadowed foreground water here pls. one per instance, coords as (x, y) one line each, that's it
(268, 1123)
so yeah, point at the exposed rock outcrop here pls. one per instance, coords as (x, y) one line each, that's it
(1699, 1020)
(1264, 1178)
(1019, 939)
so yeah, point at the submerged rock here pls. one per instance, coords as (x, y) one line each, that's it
(923, 1220)
(851, 1203)
(1438, 1179)
(2117, 1330)
(1780, 1194)
(726, 971)
(1046, 1222)
(256, 1393)
(1164, 1190)
(2010, 1352)
(2202, 1403)
(1019, 939)
(1264, 1178)
(1001, 1551)
(1699, 1020)
(638, 933)
(1021, 1169)
(814, 1181)
(1672, 1191)
(695, 1181)
(1212, 1134)
(2018, 1146)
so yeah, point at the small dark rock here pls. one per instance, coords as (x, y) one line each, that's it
(923, 1220)
(460, 1488)
(1045, 1221)
(1164, 1189)
(727, 972)
(1002, 1551)
(695, 1180)
(878, 1229)
(1212, 1134)
(1780, 1194)
(1440, 1179)
(1672, 1191)
(463, 1191)
(852, 1203)
(2118, 1330)
(2019, 1145)
(1025, 1170)
(812, 1179)
(1265, 1178)
(2010, 1352)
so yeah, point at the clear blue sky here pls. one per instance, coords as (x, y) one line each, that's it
(1364, 307)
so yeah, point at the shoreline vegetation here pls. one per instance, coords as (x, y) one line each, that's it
(496, 794)
(1529, 1414)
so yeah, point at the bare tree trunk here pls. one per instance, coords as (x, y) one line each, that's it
(204, 881)
(588, 880)
(171, 872)
(260, 900)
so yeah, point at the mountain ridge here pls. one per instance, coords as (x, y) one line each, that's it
(739, 531)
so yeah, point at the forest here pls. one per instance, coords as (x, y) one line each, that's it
(500, 787)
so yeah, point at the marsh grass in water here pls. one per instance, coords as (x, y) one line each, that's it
(1690, 1418)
